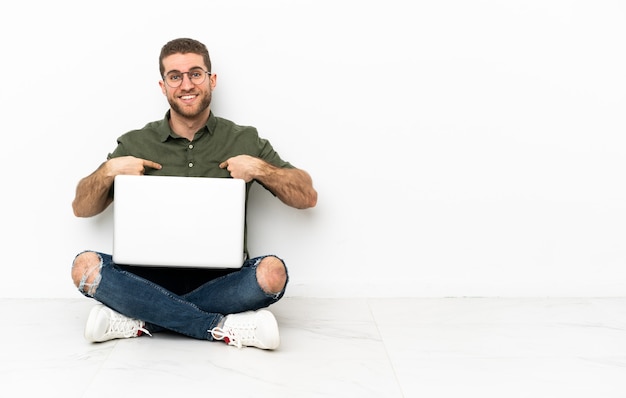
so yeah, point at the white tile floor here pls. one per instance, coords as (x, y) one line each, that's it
(410, 347)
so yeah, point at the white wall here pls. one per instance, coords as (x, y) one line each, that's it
(460, 148)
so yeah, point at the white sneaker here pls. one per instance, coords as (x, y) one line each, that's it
(105, 324)
(251, 328)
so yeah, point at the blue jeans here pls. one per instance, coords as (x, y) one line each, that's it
(193, 313)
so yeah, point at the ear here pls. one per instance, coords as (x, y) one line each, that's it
(162, 84)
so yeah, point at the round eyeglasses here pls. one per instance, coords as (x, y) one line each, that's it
(196, 76)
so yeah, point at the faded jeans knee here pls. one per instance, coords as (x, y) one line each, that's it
(86, 272)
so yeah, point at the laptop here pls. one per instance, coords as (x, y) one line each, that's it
(167, 221)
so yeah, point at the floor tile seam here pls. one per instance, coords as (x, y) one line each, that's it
(99, 368)
(383, 342)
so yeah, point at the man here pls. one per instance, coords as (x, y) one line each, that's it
(226, 305)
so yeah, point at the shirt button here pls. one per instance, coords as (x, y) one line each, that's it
(190, 146)
(190, 164)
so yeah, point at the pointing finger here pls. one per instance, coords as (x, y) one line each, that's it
(150, 163)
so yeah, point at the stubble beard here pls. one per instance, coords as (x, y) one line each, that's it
(191, 113)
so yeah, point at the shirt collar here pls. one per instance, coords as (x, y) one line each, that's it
(165, 131)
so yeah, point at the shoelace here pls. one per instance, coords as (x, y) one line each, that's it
(243, 334)
(127, 327)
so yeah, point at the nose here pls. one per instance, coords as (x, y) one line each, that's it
(186, 81)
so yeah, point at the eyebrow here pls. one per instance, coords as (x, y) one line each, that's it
(177, 71)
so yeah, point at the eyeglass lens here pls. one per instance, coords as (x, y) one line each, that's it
(196, 75)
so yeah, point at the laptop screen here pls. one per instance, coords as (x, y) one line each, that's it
(179, 221)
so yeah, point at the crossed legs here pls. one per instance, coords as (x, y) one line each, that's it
(259, 283)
